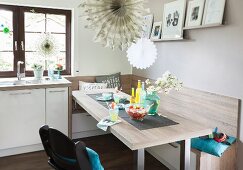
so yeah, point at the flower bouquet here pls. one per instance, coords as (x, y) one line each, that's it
(59, 69)
(164, 85)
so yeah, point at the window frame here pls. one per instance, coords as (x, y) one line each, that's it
(19, 35)
(15, 11)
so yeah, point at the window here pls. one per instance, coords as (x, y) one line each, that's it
(29, 27)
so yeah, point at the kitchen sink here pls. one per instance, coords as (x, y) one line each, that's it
(20, 82)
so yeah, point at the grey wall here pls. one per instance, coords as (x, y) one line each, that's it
(212, 60)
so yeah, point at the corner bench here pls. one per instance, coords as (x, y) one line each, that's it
(210, 109)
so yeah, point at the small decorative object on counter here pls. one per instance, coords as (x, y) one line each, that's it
(162, 85)
(59, 69)
(51, 72)
(38, 71)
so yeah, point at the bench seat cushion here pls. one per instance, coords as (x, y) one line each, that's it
(210, 146)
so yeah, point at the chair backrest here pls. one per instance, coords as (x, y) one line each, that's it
(63, 153)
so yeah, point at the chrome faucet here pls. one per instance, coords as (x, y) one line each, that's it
(20, 75)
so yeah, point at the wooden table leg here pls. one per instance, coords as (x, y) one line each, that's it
(185, 155)
(139, 158)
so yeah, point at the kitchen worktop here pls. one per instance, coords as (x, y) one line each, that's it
(31, 83)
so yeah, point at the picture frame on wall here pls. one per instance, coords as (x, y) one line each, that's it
(156, 31)
(214, 12)
(147, 26)
(194, 15)
(173, 19)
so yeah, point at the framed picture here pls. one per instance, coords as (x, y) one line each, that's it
(194, 13)
(156, 31)
(147, 26)
(214, 12)
(173, 19)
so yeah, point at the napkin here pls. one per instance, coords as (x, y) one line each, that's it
(106, 122)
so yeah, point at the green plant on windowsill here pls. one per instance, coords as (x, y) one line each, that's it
(38, 71)
(37, 67)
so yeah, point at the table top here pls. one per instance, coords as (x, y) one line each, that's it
(139, 139)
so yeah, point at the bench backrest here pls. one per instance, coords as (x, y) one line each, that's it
(125, 81)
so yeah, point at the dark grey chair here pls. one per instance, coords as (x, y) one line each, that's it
(63, 153)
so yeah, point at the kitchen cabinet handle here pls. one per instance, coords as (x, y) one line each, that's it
(57, 91)
(15, 94)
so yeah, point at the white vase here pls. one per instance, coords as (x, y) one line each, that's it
(38, 73)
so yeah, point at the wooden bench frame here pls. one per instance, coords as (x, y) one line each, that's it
(211, 109)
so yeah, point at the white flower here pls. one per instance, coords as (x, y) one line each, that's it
(158, 88)
(148, 82)
(164, 84)
(166, 75)
(158, 81)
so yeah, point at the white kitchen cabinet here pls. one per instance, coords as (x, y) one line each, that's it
(57, 108)
(22, 113)
(83, 122)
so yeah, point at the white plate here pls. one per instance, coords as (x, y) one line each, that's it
(102, 99)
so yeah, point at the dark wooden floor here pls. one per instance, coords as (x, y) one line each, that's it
(114, 155)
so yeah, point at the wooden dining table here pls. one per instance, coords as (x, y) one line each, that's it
(138, 140)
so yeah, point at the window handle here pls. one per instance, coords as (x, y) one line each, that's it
(22, 45)
(16, 45)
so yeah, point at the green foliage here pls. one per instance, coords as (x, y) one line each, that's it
(37, 67)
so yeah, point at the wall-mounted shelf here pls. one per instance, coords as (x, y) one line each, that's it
(169, 39)
(203, 26)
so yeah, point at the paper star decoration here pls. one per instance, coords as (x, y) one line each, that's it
(117, 23)
(143, 54)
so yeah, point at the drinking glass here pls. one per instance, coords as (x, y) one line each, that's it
(114, 114)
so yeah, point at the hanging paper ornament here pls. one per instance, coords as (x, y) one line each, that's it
(6, 30)
(142, 54)
(47, 45)
(117, 23)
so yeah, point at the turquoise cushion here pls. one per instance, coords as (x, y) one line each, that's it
(211, 146)
(94, 159)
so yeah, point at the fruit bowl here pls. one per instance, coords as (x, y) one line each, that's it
(136, 111)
